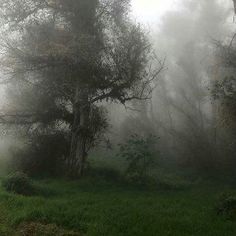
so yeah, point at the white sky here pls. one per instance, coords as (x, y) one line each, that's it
(150, 11)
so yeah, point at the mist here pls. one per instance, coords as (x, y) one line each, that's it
(182, 111)
(118, 117)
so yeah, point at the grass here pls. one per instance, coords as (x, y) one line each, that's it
(95, 207)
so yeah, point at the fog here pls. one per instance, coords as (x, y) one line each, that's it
(150, 12)
(182, 111)
(118, 117)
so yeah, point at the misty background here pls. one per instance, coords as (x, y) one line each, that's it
(182, 112)
(117, 117)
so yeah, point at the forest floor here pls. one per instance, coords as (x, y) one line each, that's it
(104, 208)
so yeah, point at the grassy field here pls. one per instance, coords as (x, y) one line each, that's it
(92, 207)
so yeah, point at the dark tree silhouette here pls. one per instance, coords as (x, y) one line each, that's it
(69, 56)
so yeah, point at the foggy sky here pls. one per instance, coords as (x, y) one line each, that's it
(150, 11)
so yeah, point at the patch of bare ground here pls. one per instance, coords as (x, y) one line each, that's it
(39, 229)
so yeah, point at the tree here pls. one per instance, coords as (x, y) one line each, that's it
(181, 112)
(75, 54)
(224, 95)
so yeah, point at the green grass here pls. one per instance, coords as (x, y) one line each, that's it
(99, 208)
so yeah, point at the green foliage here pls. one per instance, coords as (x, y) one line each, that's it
(141, 157)
(43, 156)
(18, 183)
(109, 209)
(227, 206)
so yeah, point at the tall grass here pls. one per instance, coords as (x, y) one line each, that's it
(109, 209)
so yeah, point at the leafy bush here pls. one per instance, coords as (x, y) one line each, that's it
(139, 153)
(227, 206)
(19, 183)
(44, 155)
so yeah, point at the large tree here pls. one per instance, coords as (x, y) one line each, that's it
(69, 57)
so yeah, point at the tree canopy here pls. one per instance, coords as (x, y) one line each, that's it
(66, 59)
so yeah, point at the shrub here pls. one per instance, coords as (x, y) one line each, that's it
(19, 183)
(227, 206)
(43, 155)
(139, 153)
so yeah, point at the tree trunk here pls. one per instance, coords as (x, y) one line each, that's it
(82, 139)
(78, 152)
